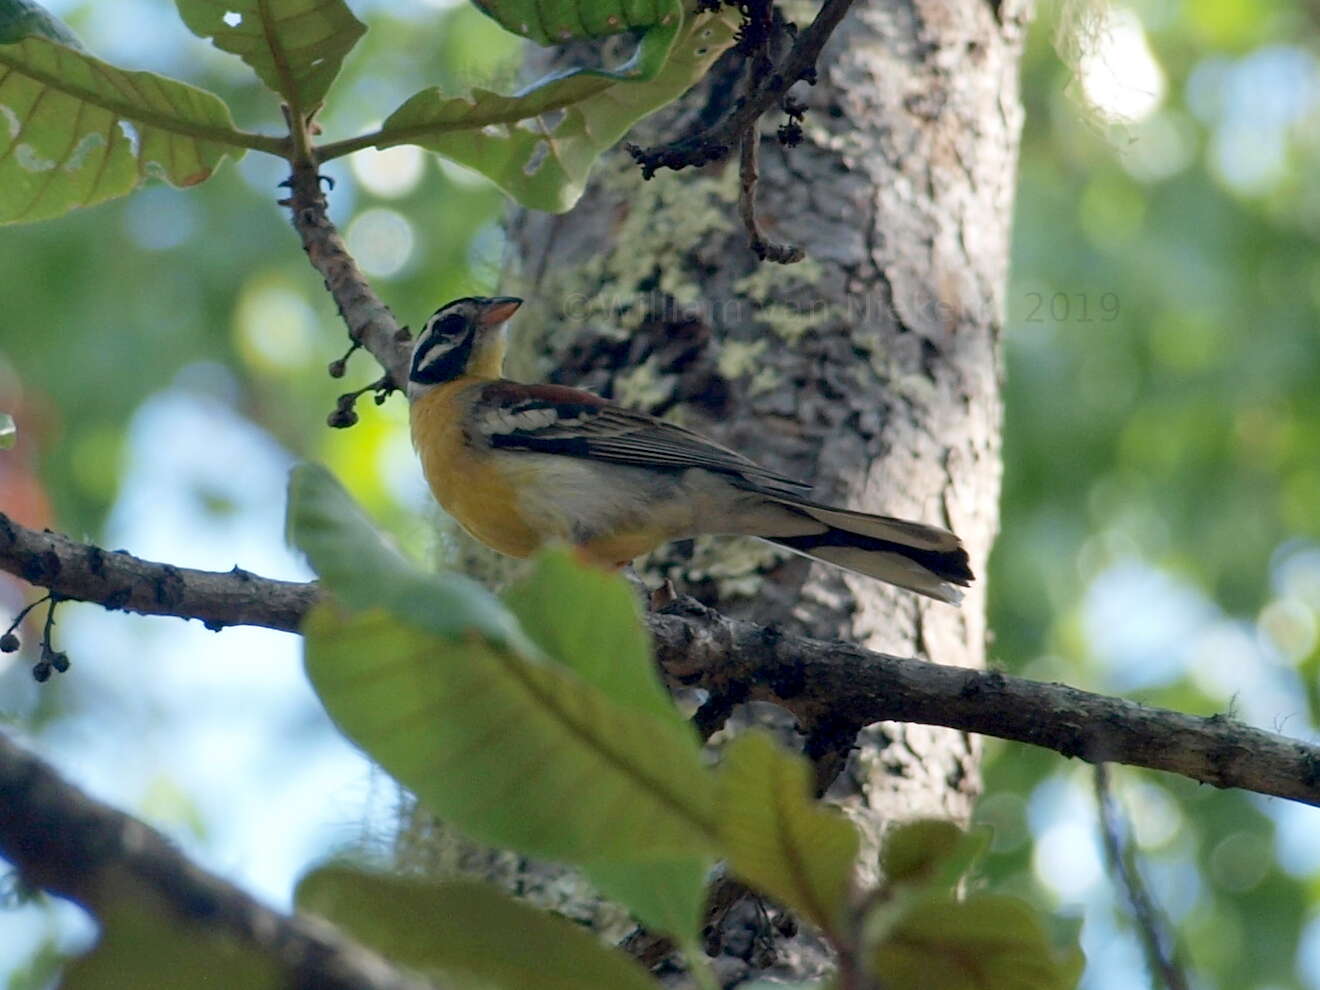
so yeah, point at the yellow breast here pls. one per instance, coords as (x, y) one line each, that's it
(471, 485)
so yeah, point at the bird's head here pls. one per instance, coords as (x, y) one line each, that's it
(462, 337)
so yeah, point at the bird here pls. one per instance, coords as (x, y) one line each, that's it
(521, 465)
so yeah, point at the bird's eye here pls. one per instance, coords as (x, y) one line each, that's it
(450, 326)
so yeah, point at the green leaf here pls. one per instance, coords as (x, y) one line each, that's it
(933, 851)
(295, 46)
(514, 752)
(75, 131)
(354, 561)
(664, 895)
(152, 951)
(545, 165)
(466, 933)
(513, 738)
(777, 837)
(589, 621)
(553, 22)
(986, 942)
(8, 431)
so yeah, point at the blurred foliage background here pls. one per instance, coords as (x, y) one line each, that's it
(164, 357)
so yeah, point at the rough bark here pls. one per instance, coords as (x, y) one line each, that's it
(871, 369)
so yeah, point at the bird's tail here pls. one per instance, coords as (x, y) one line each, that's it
(925, 559)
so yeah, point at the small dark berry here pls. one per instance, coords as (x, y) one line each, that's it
(380, 398)
(9, 643)
(60, 661)
(342, 418)
(337, 368)
(41, 671)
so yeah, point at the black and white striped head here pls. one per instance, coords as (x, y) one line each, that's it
(461, 337)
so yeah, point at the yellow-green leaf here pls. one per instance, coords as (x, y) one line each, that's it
(514, 752)
(553, 22)
(295, 46)
(150, 950)
(665, 895)
(75, 131)
(777, 837)
(354, 560)
(931, 851)
(986, 942)
(590, 621)
(538, 156)
(466, 933)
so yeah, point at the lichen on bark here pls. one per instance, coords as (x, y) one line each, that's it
(871, 369)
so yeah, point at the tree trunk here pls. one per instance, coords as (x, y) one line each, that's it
(871, 368)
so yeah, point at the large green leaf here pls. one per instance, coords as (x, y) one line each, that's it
(466, 933)
(543, 163)
(75, 131)
(932, 852)
(552, 22)
(354, 561)
(295, 46)
(558, 743)
(589, 620)
(150, 950)
(601, 637)
(777, 838)
(514, 752)
(667, 895)
(986, 942)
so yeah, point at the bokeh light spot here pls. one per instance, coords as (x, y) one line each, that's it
(274, 327)
(1066, 861)
(1118, 71)
(391, 173)
(382, 240)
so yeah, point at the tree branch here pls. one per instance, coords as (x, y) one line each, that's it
(714, 143)
(118, 581)
(821, 683)
(370, 322)
(63, 841)
(1161, 951)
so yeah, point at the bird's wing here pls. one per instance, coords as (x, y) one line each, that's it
(554, 419)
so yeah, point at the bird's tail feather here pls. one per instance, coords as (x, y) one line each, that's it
(925, 559)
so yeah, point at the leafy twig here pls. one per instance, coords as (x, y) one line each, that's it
(714, 143)
(370, 322)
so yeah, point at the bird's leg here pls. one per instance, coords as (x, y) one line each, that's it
(662, 596)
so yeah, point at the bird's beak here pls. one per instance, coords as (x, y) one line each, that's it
(497, 310)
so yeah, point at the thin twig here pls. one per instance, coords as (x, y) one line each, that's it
(816, 681)
(714, 143)
(766, 249)
(370, 322)
(1160, 952)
